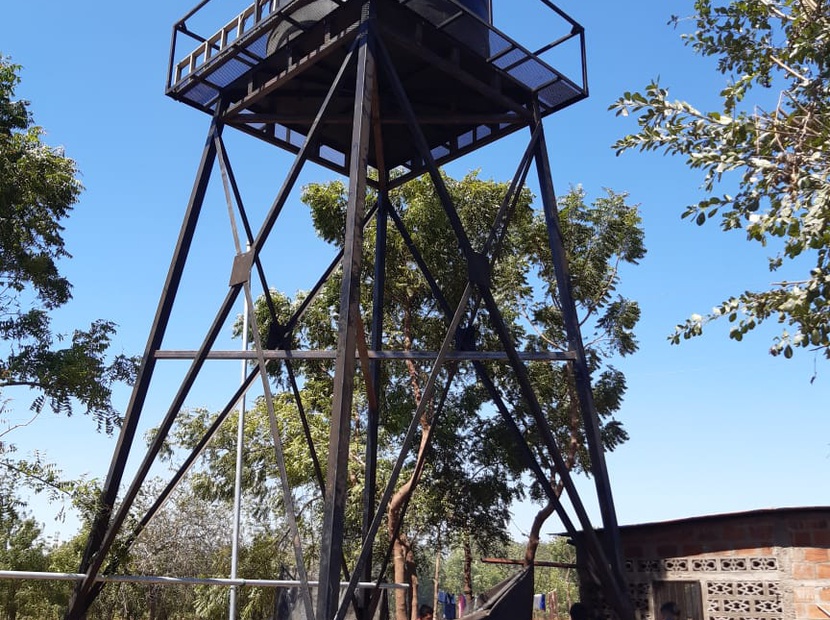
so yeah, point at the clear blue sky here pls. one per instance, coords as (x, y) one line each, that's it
(716, 426)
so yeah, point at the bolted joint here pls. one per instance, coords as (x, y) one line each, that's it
(465, 338)
(277, 338)
(479, 272)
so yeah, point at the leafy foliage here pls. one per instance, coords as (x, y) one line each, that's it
(770, 140)
(38, 189)
(22, 548)
(473, 472)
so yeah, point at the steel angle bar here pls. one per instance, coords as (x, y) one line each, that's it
(466, 248)
(230, 180)
(374, 380)
(511, 200)
(597, 559)
(477, 263)
(161, 435)
(301, 157)
(289, 502)
(436, 60)
(527, 453)
(315, 459)
(406, 444)
(256, 244)
(287, 492)
(419, 468)
(205, 581)
(590, 418)
(231, 186)
(423, 148)
(288, 496)
(96, 553)
(229, 177)
(419, 260)
(513, 191)
(331, 547)
(227, 169)
(529, 396)
(298, 314)
(498, 231)
(459, 355)
(343, 119)
(226, 173)
(495, 238)
(78, 604)
(375, 377)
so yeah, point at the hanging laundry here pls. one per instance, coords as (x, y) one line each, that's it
(449, 607)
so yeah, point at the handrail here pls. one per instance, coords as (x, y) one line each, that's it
(253, 15)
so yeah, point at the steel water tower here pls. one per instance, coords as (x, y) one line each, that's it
(381, 92)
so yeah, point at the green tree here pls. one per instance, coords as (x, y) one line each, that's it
(21, 549)
(464, 464)
(38, 190)
(763, 154)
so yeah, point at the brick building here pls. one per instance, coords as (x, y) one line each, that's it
(759, 565)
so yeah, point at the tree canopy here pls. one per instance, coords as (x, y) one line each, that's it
(763, 154)
(472, 471)
(38, 190)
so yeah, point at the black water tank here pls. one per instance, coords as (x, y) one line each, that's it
(467, 30)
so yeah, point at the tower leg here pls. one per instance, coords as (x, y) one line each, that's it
(590, 421)
(331, 550)
(80, 598)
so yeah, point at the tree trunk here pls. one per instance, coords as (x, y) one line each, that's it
(406, 602)
(535, 530)
(412, 575)
(436, 580)
(467, 587)
(404, 568)
(403, 556)
(11, 608)
(570, 461)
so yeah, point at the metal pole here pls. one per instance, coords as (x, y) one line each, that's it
(331, 546)
(237, 489)
(590, 419)
(204, 581)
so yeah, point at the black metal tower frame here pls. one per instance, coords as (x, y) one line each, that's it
(363, 60)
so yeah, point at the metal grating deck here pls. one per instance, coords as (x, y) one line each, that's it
(266, 94)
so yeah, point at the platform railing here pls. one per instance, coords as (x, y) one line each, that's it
(212, 46)
(248, 21)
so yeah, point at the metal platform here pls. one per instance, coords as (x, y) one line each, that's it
(487, 87)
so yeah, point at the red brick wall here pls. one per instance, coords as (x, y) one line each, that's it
(771, 564)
